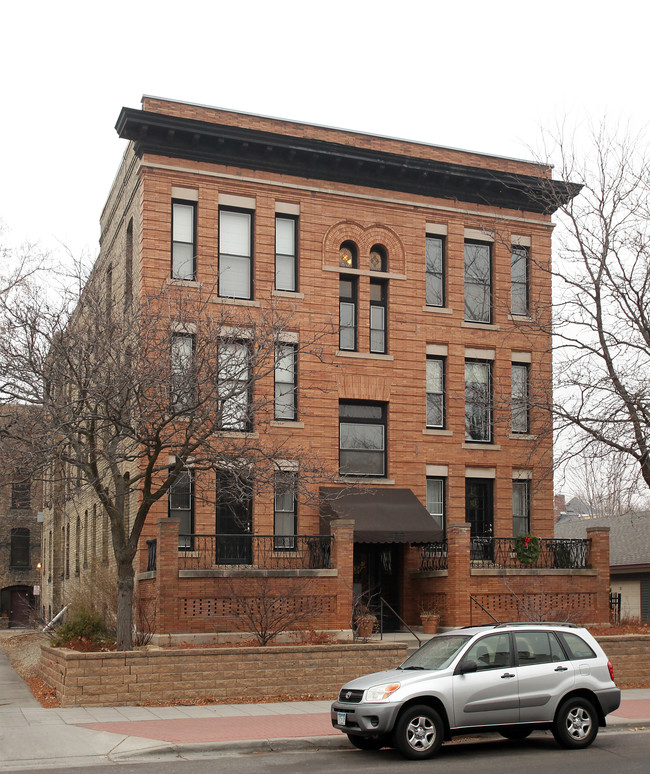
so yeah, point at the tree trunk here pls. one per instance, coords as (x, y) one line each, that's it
(125, 577)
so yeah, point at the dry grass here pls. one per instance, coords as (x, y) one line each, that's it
(23, 649)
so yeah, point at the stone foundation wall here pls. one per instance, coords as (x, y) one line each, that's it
(136, 677)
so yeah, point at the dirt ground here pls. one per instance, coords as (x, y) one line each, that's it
(23, 649)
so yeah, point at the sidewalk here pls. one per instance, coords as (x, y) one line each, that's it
(31, 737)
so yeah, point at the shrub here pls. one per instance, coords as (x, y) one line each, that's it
(85, 630)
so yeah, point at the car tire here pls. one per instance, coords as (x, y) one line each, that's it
(576, 723)
(368, 743)
(419, 732)
(516, 733)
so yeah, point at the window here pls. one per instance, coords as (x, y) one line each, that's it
(537, 648)
(478, 282)
(21, 494)
(235, 254)
(108, 298)
(182, 371)
(519, 280)
(285, 512)
(378, 258)
(519, 398)
(77, 547)
(286, 266)
(128, 266)
(348, 255)
(348, 313)
(183, 240)
(377, 316)
(67, 550)
(491, 652)
(435, 392)
(520, 508)
(234, 385)
(436, 500)
(19, 556)
(234, 519)
(578, 649)
(435, 278)
(478, 401)
(362, 439)
(181, 506)
(285, 382)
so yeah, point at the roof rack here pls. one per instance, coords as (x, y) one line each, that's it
(535, 623)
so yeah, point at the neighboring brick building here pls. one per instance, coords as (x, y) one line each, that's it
(431, 265)
(20, 549)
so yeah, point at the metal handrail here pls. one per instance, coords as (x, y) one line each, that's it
(473, 599)
(383, 602)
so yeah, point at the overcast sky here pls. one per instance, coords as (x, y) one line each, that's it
(483, 76)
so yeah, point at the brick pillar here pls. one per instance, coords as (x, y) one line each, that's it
(458, 575)
(342, 532)
(167, 576)
(598, 559)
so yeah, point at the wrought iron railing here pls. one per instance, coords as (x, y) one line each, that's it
(152, 546)
(433, 556)
(269, 552)
(566, 554)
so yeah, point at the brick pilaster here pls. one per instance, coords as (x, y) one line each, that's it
(598, 559)
(342, 531)
(458, 578)
(167, 618)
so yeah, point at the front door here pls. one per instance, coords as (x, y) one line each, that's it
(20, 605)
(377, 573)
(234, 524)
(479, 513)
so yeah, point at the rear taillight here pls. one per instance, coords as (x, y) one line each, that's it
(611, 670)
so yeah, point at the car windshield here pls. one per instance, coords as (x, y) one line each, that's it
(438, 653)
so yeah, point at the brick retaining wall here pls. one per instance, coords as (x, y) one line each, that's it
(630, 657)
(136, 677)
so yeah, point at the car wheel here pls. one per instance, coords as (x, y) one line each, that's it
(418, 733)
(576, 723)
(367, 743)
(515, 733)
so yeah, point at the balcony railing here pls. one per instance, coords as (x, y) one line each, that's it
(565, 554)
(268, 552)
(433, 556)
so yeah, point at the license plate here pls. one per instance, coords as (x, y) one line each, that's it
(340, 718)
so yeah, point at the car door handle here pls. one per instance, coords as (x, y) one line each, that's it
(561, 669)
(506, 675)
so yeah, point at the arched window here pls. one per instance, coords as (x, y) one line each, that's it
(348, 255)
(19, 547)
(378, 258)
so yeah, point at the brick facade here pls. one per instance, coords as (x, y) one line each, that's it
(333, 208)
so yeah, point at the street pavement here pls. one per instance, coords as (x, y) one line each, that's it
(34, 737)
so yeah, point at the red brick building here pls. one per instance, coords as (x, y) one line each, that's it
(429, 268)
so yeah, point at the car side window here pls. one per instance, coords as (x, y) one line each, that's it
(491, 652)
(576, 646)
(537, 648)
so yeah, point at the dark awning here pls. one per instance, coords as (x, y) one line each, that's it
(381, 516)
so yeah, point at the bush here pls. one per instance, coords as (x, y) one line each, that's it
(85, 630)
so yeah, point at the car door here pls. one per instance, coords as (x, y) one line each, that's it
(489, 694)
(545, 674)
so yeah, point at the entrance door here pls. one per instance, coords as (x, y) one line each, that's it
(479, 512)
(20, 605)
(234, 525)
(377, 574)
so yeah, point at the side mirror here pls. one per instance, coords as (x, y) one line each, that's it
(468, 666)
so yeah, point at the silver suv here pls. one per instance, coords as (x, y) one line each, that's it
(510, 678)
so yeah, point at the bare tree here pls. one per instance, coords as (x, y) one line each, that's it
(601, 279)
(131, 395)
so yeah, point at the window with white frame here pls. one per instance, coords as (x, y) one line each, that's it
(478, 400)
(519, 386)
(285, 511)
(436, 500)
(183, 240)
(520, 507)
(285, 382)
(286, 264)
(519, 280)
(348, 291)
(478, 282)
(182, 371)
(435, 266)
(235, 254)
(181, 506)
(234, 385)
(435, 392)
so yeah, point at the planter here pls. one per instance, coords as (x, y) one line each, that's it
(430, 622)
(366, 626)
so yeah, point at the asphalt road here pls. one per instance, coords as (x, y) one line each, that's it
(626, 752)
